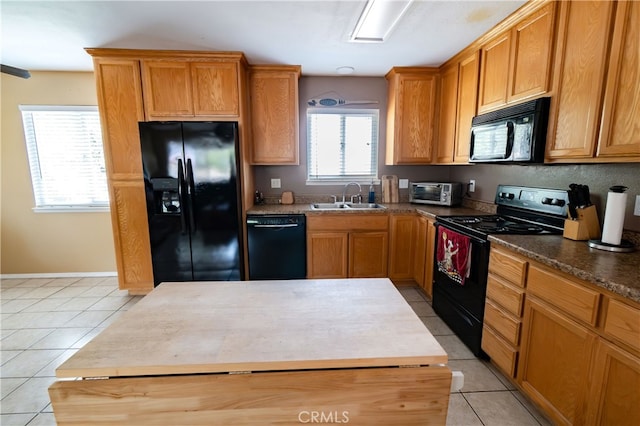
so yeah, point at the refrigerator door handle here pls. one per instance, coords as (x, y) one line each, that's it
(192, 191)
(183, 219)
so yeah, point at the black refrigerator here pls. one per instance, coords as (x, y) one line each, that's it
(193, 200)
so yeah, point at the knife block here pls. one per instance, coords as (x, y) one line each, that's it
(585, 227)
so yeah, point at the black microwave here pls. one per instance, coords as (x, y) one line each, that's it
(516, 134)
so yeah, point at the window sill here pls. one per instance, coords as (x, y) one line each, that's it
(71, 209)
(334, 182)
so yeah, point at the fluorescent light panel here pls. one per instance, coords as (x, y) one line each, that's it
(377, 20)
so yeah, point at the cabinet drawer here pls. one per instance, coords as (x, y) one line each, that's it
(510, 298)
(501, 353)
(570, 297)
(508, 266)
(507, 326)
(623, 323)
(348, 222)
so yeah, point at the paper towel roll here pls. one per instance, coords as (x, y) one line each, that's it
(614, 215)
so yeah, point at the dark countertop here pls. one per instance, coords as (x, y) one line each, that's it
(616, 272)
(429, 211)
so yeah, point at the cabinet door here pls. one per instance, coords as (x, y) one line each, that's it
(327, 254)
(424, 249)
(131, 236)
(368, 254)
(274, 115)
(410, 137)
(532, 54)
(401, 252)
(431, 249)
(494, 72)
(554, 366)
(620, 130)
(215, 88)
(120, 98)
(614, 398)
(167, 89)
(584, 29)
(447, 110)
(420, 257)
(467, 105)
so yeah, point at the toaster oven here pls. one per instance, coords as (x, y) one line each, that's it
(438, 193)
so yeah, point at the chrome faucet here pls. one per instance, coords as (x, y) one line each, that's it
(344, 191)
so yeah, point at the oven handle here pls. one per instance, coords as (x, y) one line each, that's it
(473, 238)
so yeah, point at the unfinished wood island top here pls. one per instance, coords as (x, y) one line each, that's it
(211, 327)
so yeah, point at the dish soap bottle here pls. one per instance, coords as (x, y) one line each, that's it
(372, 194)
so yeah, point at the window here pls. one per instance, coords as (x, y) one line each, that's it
(64, 145)
(342, 145)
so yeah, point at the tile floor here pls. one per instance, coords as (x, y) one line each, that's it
(44, 321)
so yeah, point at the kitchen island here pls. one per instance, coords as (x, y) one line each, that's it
(259, 352)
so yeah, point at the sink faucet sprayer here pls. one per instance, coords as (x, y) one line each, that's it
(344, 191)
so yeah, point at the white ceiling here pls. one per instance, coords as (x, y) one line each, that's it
(52, 35)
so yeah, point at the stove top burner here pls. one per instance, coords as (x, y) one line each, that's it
(510, 228)
(495, 224)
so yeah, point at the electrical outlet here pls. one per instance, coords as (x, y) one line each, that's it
(472, 185)
(636, 209)
(275, 183)
(403, 183)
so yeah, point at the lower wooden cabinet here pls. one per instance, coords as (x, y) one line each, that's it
(327, 254)
(402, 247)
(425, 239)
(555, 358)
(572, 347)
(347, 246)
(368, 254)
(614, 398)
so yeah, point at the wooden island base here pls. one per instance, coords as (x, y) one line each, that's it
(368, 396)
(259, 353)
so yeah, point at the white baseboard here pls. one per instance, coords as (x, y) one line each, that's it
(60, 275)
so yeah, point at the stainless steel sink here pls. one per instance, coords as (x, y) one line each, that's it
(365, 206)
(346, 206)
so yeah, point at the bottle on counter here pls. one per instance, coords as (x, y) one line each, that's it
(372, 194)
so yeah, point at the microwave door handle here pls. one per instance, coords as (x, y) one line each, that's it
(510, 138)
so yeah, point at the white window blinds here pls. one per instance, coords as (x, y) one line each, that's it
(342, 145)
(64, 145)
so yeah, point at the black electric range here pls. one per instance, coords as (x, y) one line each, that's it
(520, 210)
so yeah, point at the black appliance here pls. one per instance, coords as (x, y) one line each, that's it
(277, 247)
(193, 200)
(520, 210)
(514, 134)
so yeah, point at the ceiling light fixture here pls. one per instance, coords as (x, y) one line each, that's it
(345, 70)
(377, 20)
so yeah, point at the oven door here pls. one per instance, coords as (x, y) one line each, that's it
(461, 307)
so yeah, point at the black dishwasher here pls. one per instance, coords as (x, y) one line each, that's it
(277, 247)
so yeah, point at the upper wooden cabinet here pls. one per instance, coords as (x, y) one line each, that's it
(411, 115)
(516, 64)
(581, 53)
(467, 105)
(119, 93)
(447, 108)
(620, 128)
(188, 88)
(274, 114)
(457, 107)
(584, 124)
